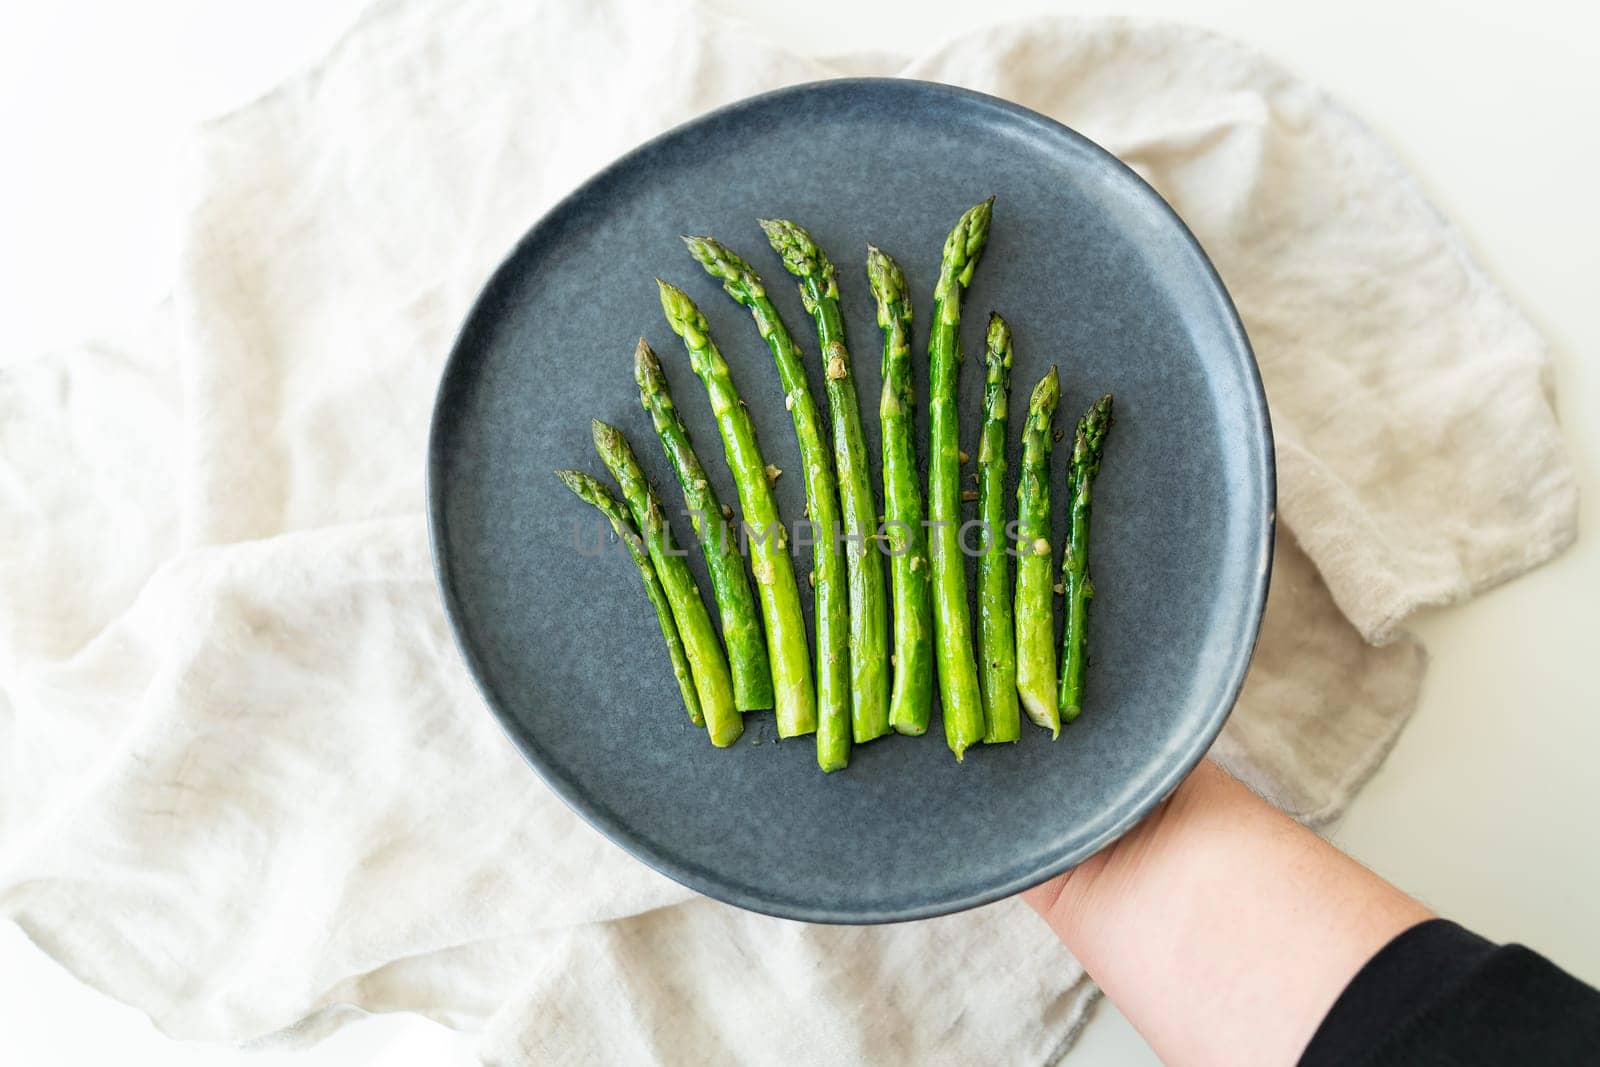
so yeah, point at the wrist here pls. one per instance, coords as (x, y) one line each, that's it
(1068, 899)
(1218, 891)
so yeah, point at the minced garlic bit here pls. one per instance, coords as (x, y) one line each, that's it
(1041, 547)
(773, 472)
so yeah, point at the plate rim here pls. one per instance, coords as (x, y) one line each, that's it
(687, 874)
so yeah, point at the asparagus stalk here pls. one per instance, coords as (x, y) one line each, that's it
(869, 610)
(796, 697)
(822, 500)
(912, 697)
(1087, 446)
(1035, 604)
(595, 493)
(710, 670)
(997, 650)
(958, 671)
(736, 602)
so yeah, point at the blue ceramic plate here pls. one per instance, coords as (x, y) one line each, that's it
(1096, 275)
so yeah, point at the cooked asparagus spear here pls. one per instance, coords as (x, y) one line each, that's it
(1087, 446)
(869, 610)
(710, 670)
(958, 671)
(736, 602)
(912, 696)
(595, 493)
(1035, 604)
(997, 650)
(796, 698)
(822, 499)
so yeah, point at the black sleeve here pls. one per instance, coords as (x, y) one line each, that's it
(1441, 995)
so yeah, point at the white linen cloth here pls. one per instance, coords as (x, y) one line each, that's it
(248, 786)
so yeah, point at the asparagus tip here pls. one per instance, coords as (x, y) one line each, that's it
(701, 248)
(800, 253)
(587, 489)
(888, 284)
(999, 338)
(676, 305)
(605, 436)
(963, 247)
(777, 235)
(646, 365)
(739, 280)
(1098, 417)
(1089, 440)
(1046, 394)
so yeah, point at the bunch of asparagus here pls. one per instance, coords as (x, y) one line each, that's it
(868, 678)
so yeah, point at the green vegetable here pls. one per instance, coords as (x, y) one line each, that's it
(912, 698)
(997, 650)
(712, 682)
(1087, 446)
(869, 609)
(1035, 604)
(796, 697)
(736, 601)
(595, 493)
(822, 499)
(958, 671)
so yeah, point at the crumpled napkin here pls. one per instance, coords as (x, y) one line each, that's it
(249, 788)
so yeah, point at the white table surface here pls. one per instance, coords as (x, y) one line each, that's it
(1484, 810)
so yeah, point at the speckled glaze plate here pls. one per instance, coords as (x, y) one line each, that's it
(1095, 273)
